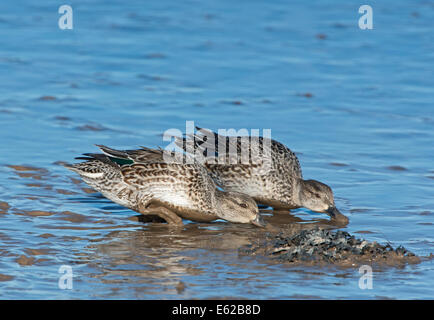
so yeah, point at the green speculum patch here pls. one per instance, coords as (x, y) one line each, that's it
(121, 162)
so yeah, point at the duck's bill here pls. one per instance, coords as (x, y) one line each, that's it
(337, 217)
(259, 221)
(333, 212)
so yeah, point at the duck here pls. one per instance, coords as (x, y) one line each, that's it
(279, 185)
(142, 181)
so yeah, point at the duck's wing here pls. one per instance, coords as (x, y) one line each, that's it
(240, 151)
(95, 165)
(145, 155)
(122, 157)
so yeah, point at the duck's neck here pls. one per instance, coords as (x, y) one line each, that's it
(219, 209)
(298, 192)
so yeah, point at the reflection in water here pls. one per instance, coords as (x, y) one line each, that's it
(156, 258)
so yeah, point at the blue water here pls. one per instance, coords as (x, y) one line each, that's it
(355, 105)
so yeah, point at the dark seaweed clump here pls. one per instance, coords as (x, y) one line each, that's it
(326, 246)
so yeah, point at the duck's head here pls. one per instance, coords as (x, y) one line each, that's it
(318, 197)
(239, 208)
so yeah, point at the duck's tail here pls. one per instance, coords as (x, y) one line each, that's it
(96, 168)
(103, 175)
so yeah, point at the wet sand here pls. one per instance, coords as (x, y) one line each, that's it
(319, 246)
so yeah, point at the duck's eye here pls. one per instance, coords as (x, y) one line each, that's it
(243, 205)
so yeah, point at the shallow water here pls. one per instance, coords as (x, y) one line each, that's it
(356, 106)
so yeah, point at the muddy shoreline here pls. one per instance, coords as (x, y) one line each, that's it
(320, 246)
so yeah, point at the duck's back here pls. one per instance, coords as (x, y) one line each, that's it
(184, 188)
(268, 173)
(133, 176)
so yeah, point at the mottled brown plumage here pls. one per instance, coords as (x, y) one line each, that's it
(271, 172)
(141, 180)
